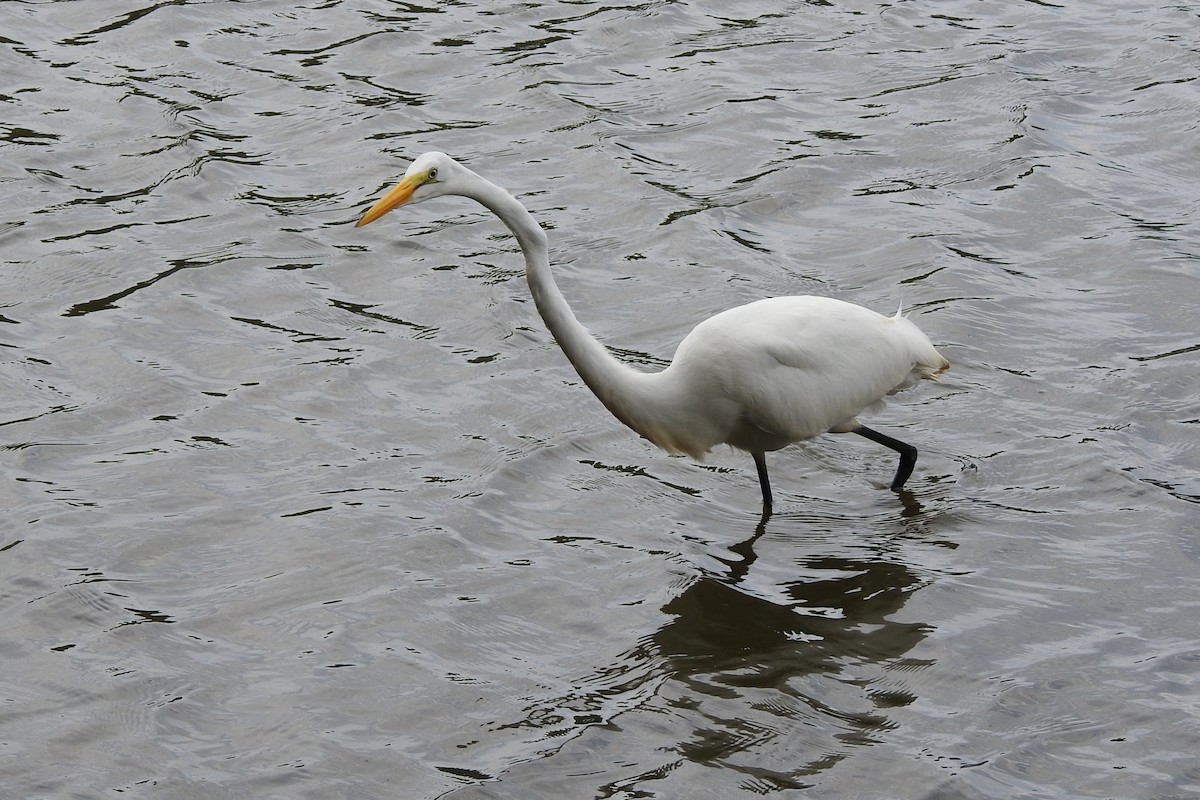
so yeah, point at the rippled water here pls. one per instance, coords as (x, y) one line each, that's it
(299, 510)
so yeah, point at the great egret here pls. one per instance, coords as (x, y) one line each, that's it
(758, 377)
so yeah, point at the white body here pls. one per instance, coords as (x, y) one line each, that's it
(757, 377)
(773, 372)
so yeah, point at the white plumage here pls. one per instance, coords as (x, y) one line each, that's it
(758, 377)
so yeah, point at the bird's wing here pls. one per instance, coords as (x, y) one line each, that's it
(799, 367)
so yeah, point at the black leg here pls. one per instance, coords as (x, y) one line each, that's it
(760, 461)
(908, 454)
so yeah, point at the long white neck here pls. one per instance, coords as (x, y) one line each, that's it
(640, 400)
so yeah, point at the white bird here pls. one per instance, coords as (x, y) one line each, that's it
(758, 377)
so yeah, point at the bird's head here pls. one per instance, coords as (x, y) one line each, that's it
(430, 175)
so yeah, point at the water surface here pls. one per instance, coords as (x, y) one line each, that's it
(299, 510)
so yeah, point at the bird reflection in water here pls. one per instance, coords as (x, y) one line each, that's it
(765, 681)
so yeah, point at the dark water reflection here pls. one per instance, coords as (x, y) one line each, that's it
(834, 626)
(770, 692)
(298, 510)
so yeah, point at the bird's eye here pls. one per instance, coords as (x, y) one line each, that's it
(433, 174)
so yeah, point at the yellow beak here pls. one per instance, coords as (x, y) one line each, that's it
(393, 199)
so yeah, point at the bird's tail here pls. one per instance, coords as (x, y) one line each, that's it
(932, 370)
(927, 361)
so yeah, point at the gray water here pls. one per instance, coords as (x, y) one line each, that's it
(299, 510)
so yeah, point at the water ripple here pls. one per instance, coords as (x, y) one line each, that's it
(285, 496)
